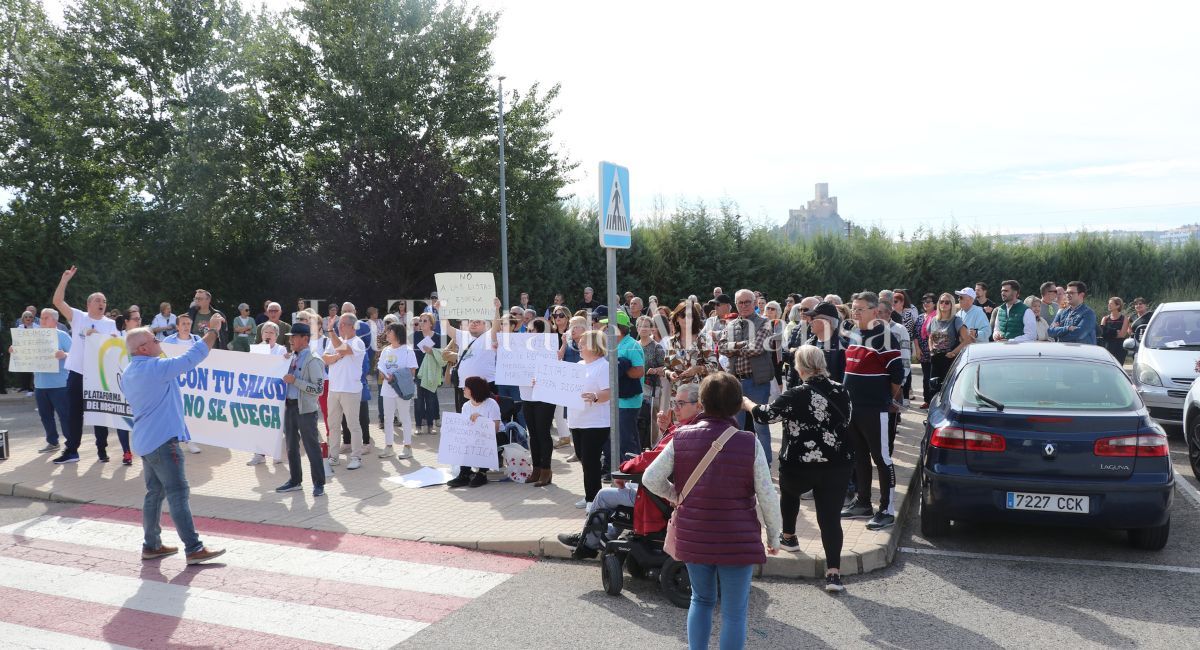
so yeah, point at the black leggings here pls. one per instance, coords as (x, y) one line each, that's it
(939, 365)
(926, 369)
(591, 443)
(540, 417)
(828, 484)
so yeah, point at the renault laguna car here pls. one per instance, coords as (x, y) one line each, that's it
(1044, 433)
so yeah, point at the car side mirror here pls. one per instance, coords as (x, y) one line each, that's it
(1130, 344)
(935, 384)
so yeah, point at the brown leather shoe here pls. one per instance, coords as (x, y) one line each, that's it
(161, 551)
(204, 555)
(544, 479)
(534, 476)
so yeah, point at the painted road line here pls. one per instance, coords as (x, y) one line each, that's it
(1187, 488)
(412, 605)
(304, 622)
(20, 637)
(1049, 560)
(318, 540)
(274, 558)
(86, 624)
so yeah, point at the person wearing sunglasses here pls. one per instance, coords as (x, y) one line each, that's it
(647, 519)
(921, 336)
(948, 334)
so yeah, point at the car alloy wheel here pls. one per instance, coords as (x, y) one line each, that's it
(1193, 442)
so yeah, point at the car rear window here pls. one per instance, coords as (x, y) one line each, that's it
(1045, 384)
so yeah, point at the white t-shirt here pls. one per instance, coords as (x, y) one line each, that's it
(81, 324)
(393, 360)
(163, 321)
(477, 361)
(345, 375)
(489, 409)
(594, 416)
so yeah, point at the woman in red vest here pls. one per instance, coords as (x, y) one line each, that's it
(716, 527)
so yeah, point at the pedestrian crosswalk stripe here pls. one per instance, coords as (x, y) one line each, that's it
(20, 637)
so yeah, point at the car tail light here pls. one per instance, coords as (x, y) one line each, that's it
(959, 438)
(1142, 444)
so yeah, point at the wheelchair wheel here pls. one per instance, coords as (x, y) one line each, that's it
(635, 569)
(675, 583)
(612, 572)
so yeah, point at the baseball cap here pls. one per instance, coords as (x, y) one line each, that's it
(599, 312)
(301, 329)
(823, 310)
(966, 291)
(622, 319)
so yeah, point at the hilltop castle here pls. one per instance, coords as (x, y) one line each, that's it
(820, 216)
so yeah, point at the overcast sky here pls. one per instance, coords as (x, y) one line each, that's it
(1000, 117)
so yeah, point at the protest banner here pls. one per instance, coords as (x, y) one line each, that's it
(560, 382)
(467, 295)
(232, 400)
(518, 355)
(33, 350)
(464, 443)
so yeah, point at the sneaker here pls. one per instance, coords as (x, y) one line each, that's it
(333, 459)
(563, 442)
(572, 458)
(857, 510)
(257, 459)
(584, 553)
(103, 456)
(49, 448)
(437, 428)
(479, 479)
(405, 452)
(459, 481)
(127, 458)
(387, 452)
(204, 555)
(288, 487)
(807, 496)
(319, 491)
(833, 583)
(581, 504)
(193, 447)
(569, 540)
(67, 457)
(29, 394)
(881, 520)
(791, 545)
(355, 463)
(161, 551)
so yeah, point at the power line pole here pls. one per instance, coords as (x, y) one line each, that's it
(503, 208)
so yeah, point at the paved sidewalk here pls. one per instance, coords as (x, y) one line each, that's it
(501, 516)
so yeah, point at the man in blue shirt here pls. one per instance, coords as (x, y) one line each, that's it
(50, 388)
(973, 316)
(1076, 323)
(152, 390)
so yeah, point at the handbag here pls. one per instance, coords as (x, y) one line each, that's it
(517, 462)
(717, 445)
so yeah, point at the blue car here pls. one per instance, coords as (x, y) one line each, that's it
(1044, 433)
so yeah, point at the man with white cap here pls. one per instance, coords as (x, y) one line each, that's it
(972, 315)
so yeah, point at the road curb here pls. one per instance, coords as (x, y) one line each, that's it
(18, 490)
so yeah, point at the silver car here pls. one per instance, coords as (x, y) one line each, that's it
(1168, 359)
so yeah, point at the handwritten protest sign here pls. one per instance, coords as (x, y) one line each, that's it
(466, 444)
(518, 355)
(232, 399)
(467, 295)
(33, 350)
(560, 382)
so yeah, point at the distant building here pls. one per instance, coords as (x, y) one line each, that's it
(819, 217)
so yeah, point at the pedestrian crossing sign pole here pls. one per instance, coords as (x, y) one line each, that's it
(616, 227)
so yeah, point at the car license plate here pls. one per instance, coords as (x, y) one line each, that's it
(1047, 502)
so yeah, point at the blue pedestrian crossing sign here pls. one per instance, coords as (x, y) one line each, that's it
(615, 222)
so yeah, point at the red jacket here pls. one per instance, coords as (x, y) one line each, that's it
(647, 518)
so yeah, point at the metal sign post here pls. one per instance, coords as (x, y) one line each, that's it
(615, 232)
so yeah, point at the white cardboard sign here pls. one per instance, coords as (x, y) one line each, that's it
(464, 443)
(467, 295)
(518, 356)
(560, 382)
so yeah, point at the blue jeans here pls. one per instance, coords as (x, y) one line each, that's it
(163, 471)
(735, 599)
(759, 394)
(630, 441)
(428, 409)
(51, 402)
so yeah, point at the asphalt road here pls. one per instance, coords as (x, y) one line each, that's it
(984, 586)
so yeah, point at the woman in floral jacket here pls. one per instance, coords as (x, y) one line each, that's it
(816, 454)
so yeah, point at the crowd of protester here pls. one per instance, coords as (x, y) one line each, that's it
(836, 373)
